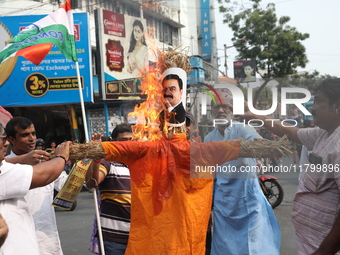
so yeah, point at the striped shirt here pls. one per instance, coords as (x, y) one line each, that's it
(115, 197)
(317, 201)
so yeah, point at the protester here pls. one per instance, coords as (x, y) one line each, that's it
(22, 136)
(113, 180)
(39, 144)
(241, 213)
(53, 145)
(316, 205)
(15, 182)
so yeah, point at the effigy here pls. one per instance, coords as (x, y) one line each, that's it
(171, 194)
(171, 202)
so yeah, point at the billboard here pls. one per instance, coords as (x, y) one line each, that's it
(54, 81)
(123, 53)
(244, 71)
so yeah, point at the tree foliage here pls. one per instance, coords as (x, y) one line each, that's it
(308, 80)
(276, 46)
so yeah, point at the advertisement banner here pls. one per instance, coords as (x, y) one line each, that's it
(54, 81)
(123, 53)
(244, 71)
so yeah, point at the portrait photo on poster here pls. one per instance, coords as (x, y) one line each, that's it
(137, 55)
(244, 71)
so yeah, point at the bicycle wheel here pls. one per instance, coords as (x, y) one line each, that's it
(273, 192)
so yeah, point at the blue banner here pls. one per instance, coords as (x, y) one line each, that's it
(206, 29)
(52, 82)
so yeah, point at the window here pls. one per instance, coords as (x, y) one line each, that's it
(150, 22)
(95, 67)
(76, 4)
(175, 39)
(161, 31)
(166, 33)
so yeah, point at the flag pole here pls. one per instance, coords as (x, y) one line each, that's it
(82, 103)
(99, 226)
(101, 243)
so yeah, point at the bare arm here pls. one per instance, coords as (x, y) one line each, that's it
(331, 244)
(48, 171)
(31, 158)
(94, 176)
(275, 126)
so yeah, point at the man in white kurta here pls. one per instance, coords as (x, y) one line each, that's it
(39, 201)
(22, 136)
(15, 181)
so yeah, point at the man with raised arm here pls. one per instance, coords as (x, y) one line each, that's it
(15, 182)
(22, 136)
(113, 181)
(316, 206)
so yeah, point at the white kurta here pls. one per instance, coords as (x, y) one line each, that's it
(39, 201)
(15, 181)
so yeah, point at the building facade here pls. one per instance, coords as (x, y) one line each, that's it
(170, 24)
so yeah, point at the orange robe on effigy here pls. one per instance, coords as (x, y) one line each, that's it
(169, 209)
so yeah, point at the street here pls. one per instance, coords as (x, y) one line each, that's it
(75, 227)
(289, 184)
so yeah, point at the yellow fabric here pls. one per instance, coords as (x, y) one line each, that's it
(169, 210)
(103, 169)
(120, 198)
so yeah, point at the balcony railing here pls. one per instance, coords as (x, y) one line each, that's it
(162, 9)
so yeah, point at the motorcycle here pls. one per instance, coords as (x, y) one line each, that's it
(271, 189)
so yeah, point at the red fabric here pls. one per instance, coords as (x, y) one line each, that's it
(5, 116)
(35, 53)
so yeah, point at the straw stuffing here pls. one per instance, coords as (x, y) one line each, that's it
(264, 148)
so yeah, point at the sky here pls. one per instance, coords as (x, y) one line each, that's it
(320, 19)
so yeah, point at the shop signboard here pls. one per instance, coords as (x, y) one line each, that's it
(123, 53)
(54, 80)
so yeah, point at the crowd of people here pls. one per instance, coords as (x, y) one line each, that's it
(149, 204)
